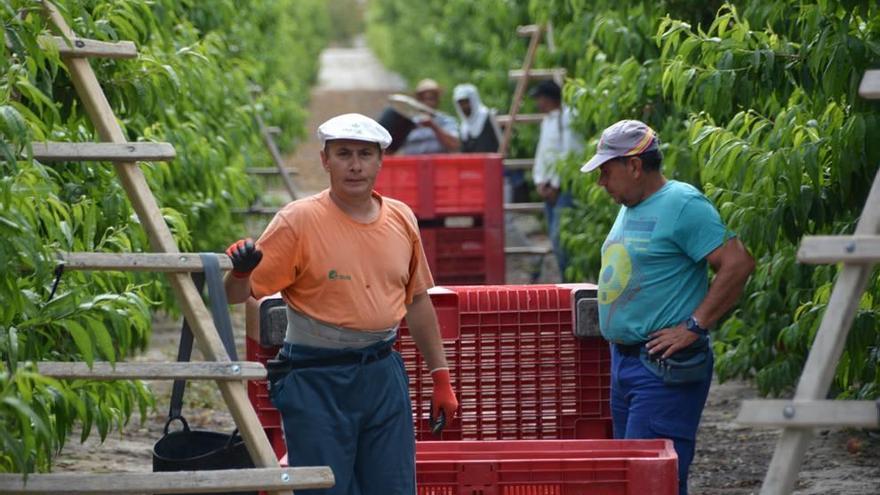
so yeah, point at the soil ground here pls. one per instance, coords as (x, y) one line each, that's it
(731, 459)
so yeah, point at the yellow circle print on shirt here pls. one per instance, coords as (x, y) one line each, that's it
(616, 271)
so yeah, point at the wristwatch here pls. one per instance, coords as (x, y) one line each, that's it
(694, 326)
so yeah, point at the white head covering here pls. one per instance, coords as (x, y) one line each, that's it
(356, 127)
(471, 126)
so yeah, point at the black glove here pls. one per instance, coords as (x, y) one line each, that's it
(245, 257)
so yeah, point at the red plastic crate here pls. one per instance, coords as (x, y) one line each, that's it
(518, 370)
(451, 184)
(547, 467)
(276, 438)
(464, 256)
(258, 391)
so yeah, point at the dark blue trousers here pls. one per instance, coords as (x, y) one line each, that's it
(553, 214)
(355, 418)
(642, 406)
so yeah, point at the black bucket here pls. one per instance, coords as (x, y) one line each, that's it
(200, 450)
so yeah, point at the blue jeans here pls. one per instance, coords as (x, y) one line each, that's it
(355, 418)
(642, 406)
(553, 214)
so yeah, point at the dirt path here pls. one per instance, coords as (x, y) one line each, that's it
(349, 80)
(731, 459)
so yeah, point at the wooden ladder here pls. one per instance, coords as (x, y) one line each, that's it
(522, 76)
(808, 409)
(229, 375)
(268, 133)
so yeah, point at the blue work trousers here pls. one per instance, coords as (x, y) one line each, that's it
(355, 418)
(553, 212)
(642, 406)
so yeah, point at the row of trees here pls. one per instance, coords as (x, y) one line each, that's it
(755, 103)
(190, 86)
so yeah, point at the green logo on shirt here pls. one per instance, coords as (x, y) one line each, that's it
(333, 275)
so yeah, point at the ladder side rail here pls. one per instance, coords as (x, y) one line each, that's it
(98, 108)
(824, 354)
(520, 90)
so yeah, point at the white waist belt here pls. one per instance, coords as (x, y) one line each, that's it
(307, 331)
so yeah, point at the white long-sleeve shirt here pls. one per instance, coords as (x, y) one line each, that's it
(557, 140)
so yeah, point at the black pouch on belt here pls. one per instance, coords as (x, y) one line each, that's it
(688, 365)
(277, 369)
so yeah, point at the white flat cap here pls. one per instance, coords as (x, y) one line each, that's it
(356, 127)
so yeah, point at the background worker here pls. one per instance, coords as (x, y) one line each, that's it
(655, 301)
(433, 134)
(478, 131)
(349, 264)
(557, 139)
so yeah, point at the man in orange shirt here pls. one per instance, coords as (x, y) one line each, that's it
(350, 264)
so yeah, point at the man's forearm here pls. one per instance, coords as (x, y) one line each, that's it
(425, 331)
(237, 289)
(450, 142)
(724, 291)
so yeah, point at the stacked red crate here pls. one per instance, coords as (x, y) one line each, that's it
(458, 200)
(258, 393)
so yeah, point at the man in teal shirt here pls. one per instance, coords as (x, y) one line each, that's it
(655, 300)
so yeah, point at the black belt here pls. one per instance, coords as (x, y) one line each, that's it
(351, 358)
(277, 368)
(629, 350)
(283, 364)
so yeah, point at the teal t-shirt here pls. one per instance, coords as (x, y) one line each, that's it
(654, 272)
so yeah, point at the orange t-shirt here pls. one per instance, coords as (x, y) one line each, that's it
(339, 271)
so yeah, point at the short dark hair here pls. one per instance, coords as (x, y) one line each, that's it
(548, 89)
(652, 160)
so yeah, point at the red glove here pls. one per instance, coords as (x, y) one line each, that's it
(443, 397)
(245, 257)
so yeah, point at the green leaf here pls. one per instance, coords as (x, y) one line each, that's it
(102, 339)
(12, 124)
(81, 339)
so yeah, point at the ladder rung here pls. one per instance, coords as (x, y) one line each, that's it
(142, 262)
(528, 118)
(528, 29)
(81, 47)
(226, 480)
(268, 171)
(519, 163)
(810, 413)
(834, 249)
(528, 250)
(870, 86)
(112, 152)
(204, 370)
(258, 210)
(523, 207)
(273, 129)
(538, 74)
